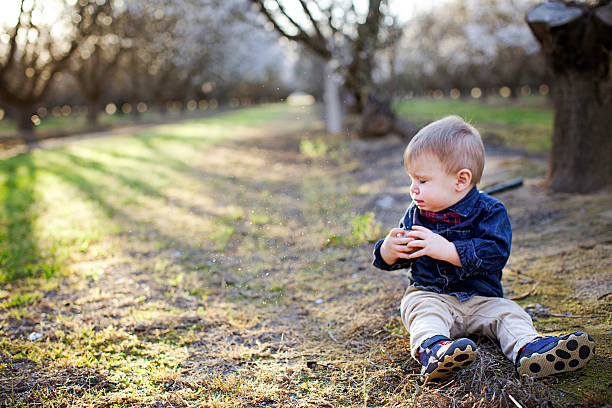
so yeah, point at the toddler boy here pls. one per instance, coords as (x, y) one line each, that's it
(456, 240)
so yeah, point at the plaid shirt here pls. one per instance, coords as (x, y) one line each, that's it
(448, 216)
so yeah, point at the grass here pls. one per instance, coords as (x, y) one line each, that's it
(76, 120)
(58, 204)
(524, 124)
(72, 122)
(225, 262)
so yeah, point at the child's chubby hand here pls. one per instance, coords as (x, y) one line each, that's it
(395, 246)
(426, 242)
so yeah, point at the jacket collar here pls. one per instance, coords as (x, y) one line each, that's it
(466, 205)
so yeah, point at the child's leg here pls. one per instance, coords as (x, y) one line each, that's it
(425, 315)
(432, 319)
(500, 319)
(533, 355)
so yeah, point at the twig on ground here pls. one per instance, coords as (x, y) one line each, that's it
(527, 294)
(388, 355)
(548, 314)
(331, 335)
(417, 391)
(364, 384)
(604, 295)
(515, 401)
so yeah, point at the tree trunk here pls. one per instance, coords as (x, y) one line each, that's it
(358, 77)
(25, 126)
(93, 109)
(581, 157)
(333, 110)
(576, 40)
(378, 119)
(162, 107)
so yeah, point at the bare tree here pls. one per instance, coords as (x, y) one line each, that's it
(33, 56)
(173, 46)
(95, 62)
(346, 38)
(577, 42)
(147, 68)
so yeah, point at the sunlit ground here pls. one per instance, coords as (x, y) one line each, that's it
(225, 262)
(59, 203)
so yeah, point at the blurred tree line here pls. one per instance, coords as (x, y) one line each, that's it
(136, 52)
(465, 44)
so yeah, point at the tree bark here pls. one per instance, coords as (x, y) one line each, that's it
(576, 41)
(93, 109)
(333, 110)
(358, 79)
(378, 119)
(25, 126)
(581, 156)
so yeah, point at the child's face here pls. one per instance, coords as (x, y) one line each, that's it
(432, 189)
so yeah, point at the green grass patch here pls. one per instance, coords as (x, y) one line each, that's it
(78, 121)
(523, 123)
(313, 149)
(22, 299)
(364, 229)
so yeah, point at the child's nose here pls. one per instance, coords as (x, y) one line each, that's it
(414, 189)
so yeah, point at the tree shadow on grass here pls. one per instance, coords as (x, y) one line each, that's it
(94, 180)
(94, 188)
(20, 255)
(132, 183)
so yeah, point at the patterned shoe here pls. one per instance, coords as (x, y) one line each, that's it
(445, 358)
(549, 355)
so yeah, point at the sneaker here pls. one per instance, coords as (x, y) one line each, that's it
(549, 355)
(445, 358)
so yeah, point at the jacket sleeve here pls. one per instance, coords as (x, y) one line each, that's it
(489, 250)
(379, 262)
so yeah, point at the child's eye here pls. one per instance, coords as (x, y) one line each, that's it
(422, 181)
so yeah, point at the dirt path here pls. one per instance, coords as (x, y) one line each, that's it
(270, 313)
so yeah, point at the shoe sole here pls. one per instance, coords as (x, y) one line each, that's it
(450, 364)
(571, 353)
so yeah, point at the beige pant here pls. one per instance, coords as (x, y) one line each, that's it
(427, 314)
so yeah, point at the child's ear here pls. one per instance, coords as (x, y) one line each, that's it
(464, 180)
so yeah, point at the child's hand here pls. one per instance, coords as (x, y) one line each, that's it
(433, 245)
(394, 246)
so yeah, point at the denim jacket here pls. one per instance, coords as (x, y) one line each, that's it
(482, 239)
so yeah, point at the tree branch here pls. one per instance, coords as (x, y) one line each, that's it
(314, 22)
(288, 17)
(266, 12)
(12, 44)
(318, 45)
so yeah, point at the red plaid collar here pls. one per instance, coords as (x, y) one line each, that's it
(448, 216)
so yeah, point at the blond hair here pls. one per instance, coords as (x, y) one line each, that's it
(456, 143)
